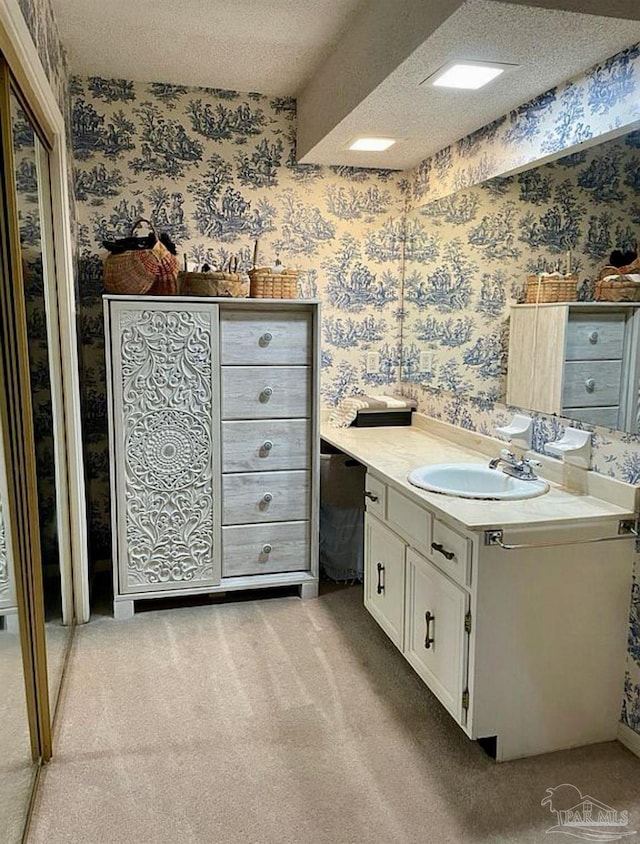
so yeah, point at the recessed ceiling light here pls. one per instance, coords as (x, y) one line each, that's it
(467, 74)
(371, 144)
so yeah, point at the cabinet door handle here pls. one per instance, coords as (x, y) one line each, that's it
(428, 640)
(267, 445)
(267, 497)
(448, 555)
(380, 587)
(266, 338)
(267, 549)
(593, 337)
(590, 385)
(370, 495)
(266, 393)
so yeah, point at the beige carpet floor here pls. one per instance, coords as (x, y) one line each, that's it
(283, 722)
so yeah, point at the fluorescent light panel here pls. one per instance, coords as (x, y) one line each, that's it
(469, 75)
(371, 144)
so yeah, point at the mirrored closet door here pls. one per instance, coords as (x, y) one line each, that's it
(33, 203)
(36, 595)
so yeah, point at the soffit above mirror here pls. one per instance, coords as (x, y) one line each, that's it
(356, 67)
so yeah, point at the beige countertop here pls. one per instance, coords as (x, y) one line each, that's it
(391, 453)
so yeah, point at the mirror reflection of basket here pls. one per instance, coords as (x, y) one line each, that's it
(551, 288)
(619, 284)
(139, 271)
(212, 284)
(265, 284)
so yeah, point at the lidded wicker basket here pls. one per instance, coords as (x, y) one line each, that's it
(265, 284)
(551, 288)
(212, 284)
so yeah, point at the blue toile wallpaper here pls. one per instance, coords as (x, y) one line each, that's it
(216, 169)
(467, 257)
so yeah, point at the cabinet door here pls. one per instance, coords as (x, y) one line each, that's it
(436, 643)
(384, 578)
(165, 444)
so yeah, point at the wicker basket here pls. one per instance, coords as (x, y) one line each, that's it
(212, 284)
(141, 271)
(621, 289)
(266, 284)
(551, 288)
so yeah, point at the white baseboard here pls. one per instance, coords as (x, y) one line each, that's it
(629, 738)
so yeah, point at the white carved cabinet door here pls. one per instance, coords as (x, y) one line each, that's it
(165, 427)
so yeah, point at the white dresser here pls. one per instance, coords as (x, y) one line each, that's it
(213, 421)
(579, 360)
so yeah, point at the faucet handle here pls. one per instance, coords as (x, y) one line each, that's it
(535, 463)
(507, 455)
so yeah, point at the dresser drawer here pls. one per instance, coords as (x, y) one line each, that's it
(451, 552)
(375, 496)
(588, 383)
(265, 497)
(595, 336)
(258, 338)
(253, 446)
(266, 549)
(607, 417)
(265, 392)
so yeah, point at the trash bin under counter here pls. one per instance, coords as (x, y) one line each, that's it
(341, 517)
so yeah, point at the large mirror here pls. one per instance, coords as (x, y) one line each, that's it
(31, 164)
(468, 257)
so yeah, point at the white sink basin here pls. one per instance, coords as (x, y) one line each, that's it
(473, 480)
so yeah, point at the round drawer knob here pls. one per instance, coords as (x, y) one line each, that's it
(267, 549)
(267, 445)
(267, 497)
(266, 338)
(590, 384)
(593, 337)
(267, 392)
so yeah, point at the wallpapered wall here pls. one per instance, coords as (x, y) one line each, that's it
(365, 237)
(216, 170)
(468, 256)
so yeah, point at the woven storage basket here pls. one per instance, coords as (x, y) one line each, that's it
(212, 284)
(141, 271)
(551, 288)
(266, 284)
(619, 284)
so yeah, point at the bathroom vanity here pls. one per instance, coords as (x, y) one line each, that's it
(213, 407)
(524, 645)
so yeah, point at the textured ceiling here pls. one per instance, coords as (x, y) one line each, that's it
(355, 65)
(270, 46)
(548, 46)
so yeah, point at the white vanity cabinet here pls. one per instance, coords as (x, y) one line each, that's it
(524, 647)
(213, 409)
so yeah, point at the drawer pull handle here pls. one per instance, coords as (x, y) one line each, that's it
(428, 639)
(593, 337)
(590, 385)
(266, 393)
(380, 587)
(266, 338)
(267, 497)
(370, 495)
(267, 445)
(267, 549)
(448, 555)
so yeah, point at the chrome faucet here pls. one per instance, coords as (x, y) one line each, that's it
(522, 469)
